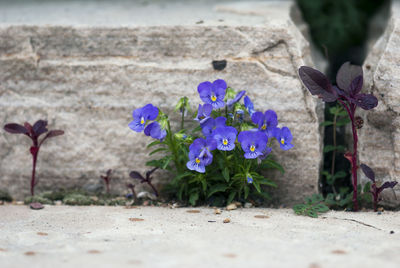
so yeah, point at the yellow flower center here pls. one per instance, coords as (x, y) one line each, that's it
(252, 148)
(225, 141)
(263, 127)
(213, 98)
(197, 160)
(142, 121)
(282, 141)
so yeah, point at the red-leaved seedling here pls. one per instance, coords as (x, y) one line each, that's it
(375, 191)
(33, 132)
(107, 179)
(138, 176)
(349, 80)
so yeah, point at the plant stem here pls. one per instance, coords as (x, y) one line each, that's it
(183, 118)
(33, 178)
(351, 111)
(334, 151)
(172, 148)
(154, 188)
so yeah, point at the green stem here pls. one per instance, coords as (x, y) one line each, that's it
(173, 149)
(183, 118)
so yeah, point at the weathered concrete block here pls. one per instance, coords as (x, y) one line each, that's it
(380, 136)
(86, 78)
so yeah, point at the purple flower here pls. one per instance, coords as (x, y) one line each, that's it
(249, 179)
(284, 137)
(141, 115)
(249, 105)
(213, 93)
(236, 99)
(195, 162)
(225, 137)
(200, 154)
(266, 122)
(203, 113)
(253, 143)
(211, 124)
(205, 146)
(155, 131)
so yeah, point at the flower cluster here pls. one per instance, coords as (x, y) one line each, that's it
(219, 135)
(231, 139)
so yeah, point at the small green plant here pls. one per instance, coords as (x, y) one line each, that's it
(221, 159)
(312, 207)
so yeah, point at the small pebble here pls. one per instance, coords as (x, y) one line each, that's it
(29, 253)
(1, 202)
(42, 234)
(391, 232)
(136, 219)
(58, 203)
(379, 213)
(227, 220)
(193, 211)
(94, 251)
(231, 207)
(36, 206)
(217, 211)
(19, 203)
(248, 205)
(381, 209)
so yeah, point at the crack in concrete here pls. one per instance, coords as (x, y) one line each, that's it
(356, 221)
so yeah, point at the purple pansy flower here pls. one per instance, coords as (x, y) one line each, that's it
(205, 146)
(213, 93)
(155, 131)
(141, 115)
(249, 105)
(236, 99)
(211, 124)
(225, 137)
(266, 122)
(253, 143)
(284, 137)
(203, 113)
(195, 162)
(249, 179)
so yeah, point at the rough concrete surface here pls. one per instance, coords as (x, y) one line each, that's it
(380, 137)
(86, 74)
(60, 236)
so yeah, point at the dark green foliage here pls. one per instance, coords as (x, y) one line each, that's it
(312, 207)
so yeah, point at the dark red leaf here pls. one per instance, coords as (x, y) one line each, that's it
(136, 175)
(148, 173)
(15, 129)
(317, 83)
(39, 127)
(368, 172)
(366, 101)
(36, 206)
(346, 74)
(109, 172)
(28, 127)
(54, 133)
(388, 184)
(356, 85)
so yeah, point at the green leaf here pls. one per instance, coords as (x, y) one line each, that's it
(329, 148)
(231, 197)
(312, 213)
(154, 143)
(266, 181)
(178, 177)
(340, 174)
(197, 129)
(333, 110)
(217, 188)
(246, 191)
(180, 191)
(269, 163)
(326, 123)
(158, 150)
(321, 208)
(257, 186)
(225, 173)
(342, 122)
(193, 198)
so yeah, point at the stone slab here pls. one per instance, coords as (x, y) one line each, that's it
(62, 236)
(380, 136)
(87, 77)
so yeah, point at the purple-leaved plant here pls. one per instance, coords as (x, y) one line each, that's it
(136, 175)
(375, 191)
(33, 132)
(349, 80)
(107, 179)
